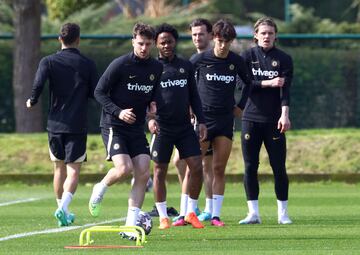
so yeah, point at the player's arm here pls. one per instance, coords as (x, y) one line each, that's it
(244, 75)
(109, 78)
(41, 77)
(284, 123)
(93, 79)
(153, 126)
(195, 105)
(287, 73)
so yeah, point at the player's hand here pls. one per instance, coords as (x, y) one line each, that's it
(127, 116)
(28, 103)
(237, 112)
(152, 108)
(153, 126)
(192, 119)
(284, 123)
(202, 132)
(277, 82)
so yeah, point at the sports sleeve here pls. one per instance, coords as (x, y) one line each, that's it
(102, 91)
(93, 79)
(243, 73)
(247, 57)
(287, 73)
(41, 77)
(195, 101)
(156, 91)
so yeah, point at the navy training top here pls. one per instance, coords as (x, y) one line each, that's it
(177, 92)
(128, 82)
(264, 104)
(72, 79)
(216, 81)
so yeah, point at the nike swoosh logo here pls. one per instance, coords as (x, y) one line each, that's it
(208, 66)
(132, 76)
(276, 138)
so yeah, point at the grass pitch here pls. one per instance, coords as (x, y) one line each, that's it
(326, 221)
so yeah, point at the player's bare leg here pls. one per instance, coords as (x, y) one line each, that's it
(59, 179)
(160, 171)
(222, 148)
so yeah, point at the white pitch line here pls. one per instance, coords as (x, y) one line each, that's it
(19, 201)
(57, 230)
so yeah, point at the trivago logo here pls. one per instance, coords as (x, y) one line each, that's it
(269, 74)
(137, 87)
(169, 83)
(215, 77)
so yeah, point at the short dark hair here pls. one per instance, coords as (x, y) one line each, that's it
(69, 33)
(201, 22)
(168, 29)
(225, 29)
(143, 29)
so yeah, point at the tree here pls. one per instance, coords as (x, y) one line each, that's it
(26, 58)
(61, 9)
(356, 5)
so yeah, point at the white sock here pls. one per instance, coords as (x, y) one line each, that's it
(192, 205)
(58, 202)
(162, 210)
(183, 204)
(65, 201)
(132, 215)
(208, 205)
(253, 206)
(217, 204)
(282, 207)
(100, 188)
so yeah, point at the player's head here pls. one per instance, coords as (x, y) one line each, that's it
(224, 33)
(265, 31)
(201, 33)
(166, 37)
(143, 39)
(69, 34)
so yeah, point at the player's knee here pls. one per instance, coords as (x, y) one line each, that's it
(121, 171)
(144, 177)
(159, 174)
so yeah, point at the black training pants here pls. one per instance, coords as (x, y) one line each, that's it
(252, 136)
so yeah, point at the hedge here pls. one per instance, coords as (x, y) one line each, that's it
(324, 93)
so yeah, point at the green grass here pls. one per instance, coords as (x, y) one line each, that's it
(326, 221)
(309, 151)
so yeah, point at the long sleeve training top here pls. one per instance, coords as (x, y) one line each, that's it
(216, 81)
(72, 79)
(264, 104)
(177, 92)
(128, 82)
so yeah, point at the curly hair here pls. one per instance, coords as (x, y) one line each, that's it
(168, 29)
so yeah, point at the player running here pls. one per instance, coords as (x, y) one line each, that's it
(125, 91)
(72, 79)
(266, 118)
(176, 93)
(217, 71)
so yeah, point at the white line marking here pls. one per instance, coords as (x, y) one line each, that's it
(19, 201)
(58, 230)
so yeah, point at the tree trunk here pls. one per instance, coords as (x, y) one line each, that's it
(26, 58)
